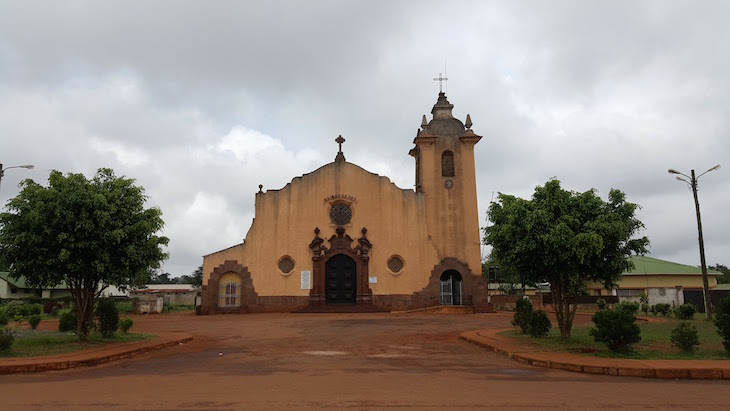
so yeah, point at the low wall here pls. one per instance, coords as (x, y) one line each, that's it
(172, 297)
(149, 305)
(509, 302)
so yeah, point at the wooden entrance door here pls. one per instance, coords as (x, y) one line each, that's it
(341, 280)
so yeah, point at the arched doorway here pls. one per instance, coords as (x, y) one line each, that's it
(452, 288)
(229, 291)
(341, 280)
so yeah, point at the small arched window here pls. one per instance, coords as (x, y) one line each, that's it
(447, 164)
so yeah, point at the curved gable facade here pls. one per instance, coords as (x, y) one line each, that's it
(341, 237)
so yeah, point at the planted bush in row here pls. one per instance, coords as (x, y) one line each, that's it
(536, 323)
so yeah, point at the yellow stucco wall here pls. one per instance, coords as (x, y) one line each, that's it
(285, 221)
(422, 227)
(453, 217)
(659, 281)
(213, 260)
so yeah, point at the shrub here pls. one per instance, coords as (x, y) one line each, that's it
(643, 298)
(34, 309)
(34, 320)
(685, 311)
(106, 313)
(67, 322)
(18, 310)
(523, 311)
(631, 307)
(722, 321)
(685, 337)
(125, 306)
(51, 305)
(539, 324)
(645, 308)
(662, 309)
(3, 318)
(6, 339)
(601, 303)
(54, 311)
(616, 328)
(125, 324)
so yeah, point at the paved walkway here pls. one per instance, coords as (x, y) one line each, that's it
(339, 361)
(91, 356)
(533, 354)
(522, 351)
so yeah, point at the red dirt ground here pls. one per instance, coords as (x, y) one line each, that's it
(338, 361)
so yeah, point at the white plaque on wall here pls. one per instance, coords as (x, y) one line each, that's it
(306, 280)
(372, 280)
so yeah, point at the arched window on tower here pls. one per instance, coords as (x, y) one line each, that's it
(447, 164)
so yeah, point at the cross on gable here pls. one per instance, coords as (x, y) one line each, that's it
(339, 140)
(440, 78)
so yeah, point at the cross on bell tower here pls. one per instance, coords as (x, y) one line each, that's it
(340, 155)
(440, 78)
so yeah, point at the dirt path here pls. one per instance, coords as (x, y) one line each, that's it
(365, 361)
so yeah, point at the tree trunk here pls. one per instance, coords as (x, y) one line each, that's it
(564, 310)
(83, 295)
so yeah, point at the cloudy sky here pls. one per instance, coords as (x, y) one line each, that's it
(201, 102)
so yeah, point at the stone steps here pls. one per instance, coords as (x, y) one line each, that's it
(340, 308)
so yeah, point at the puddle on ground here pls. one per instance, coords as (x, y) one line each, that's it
(325, 353)
(515, 371)
(388, 355)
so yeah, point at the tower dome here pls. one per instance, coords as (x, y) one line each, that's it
(443, 121)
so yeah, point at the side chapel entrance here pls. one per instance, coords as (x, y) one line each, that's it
(452, 288)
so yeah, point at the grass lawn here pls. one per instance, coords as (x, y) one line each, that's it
(179, 307)
(654, 344)
(125, 307)
(29, 343)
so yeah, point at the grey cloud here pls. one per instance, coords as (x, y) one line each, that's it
(598, 94)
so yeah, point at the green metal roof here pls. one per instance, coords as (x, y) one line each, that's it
(20, 282)
(647, 265)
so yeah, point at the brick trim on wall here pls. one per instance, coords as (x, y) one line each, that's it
(475, 288)
(249, 297)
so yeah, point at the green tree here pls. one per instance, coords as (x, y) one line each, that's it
(197, 279)
(565, 238)
(161, 278)
(86, 233)
(725, 278)
(509, 281)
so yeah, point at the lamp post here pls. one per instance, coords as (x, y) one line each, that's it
(693, 184)
(2, 170)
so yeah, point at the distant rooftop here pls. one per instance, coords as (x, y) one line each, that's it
(20, 282)
(644, 265)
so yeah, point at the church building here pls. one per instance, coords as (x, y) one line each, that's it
(344, 239)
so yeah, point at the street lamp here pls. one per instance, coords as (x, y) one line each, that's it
(2, 170)
(693, 183)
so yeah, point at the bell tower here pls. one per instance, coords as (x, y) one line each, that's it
(446, 177)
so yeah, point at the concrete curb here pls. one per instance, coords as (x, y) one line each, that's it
(535, 355)
(91, 357)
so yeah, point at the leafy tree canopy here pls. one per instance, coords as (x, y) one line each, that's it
(196, 278)
(565, 238)
(88, 234)
(725, 278)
